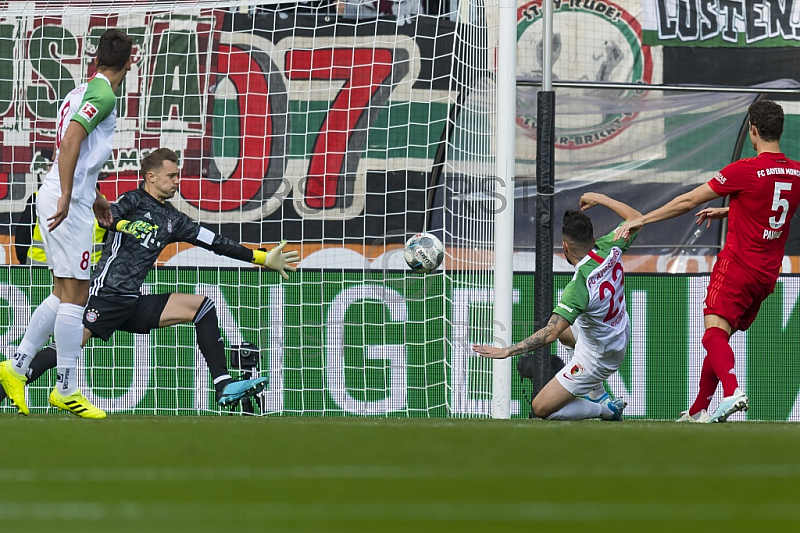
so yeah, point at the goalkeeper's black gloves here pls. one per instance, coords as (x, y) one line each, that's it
(138, 228)
(277, 259)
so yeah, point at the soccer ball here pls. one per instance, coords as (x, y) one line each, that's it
(423, 252)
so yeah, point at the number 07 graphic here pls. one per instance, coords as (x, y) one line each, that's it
(365, 71)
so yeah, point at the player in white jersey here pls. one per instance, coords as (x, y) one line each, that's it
(84, 134)
(594, 304)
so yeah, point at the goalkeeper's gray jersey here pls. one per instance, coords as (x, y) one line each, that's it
(126, 260)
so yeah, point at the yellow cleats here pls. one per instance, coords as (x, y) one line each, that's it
(14, 385)
(76, 404)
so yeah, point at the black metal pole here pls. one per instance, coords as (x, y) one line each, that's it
(545, 187)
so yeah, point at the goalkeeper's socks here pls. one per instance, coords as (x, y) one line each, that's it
(69, 336)
(209, 339)
(715, 341)
(44, 361)
(708, 385)
(40, 328)
(220, 384)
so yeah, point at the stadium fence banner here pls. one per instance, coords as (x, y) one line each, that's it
(731, 23)
(386, 344)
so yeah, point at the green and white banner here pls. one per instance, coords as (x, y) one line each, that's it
(722, 23)
(390, 344)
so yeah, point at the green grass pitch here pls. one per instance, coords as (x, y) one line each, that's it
(151, 474)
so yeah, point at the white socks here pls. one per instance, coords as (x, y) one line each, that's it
(580, 409)
(39, 331)
(69, 336)
(597, 392)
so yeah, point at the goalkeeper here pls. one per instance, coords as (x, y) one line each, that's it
(144, 223)
(594, 304)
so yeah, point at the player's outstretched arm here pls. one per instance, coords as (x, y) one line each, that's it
(678, 206)
(623, 210)
(277, 259)
(710, 213)
(548, 334)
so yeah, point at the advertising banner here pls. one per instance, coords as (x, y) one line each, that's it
(399, 345)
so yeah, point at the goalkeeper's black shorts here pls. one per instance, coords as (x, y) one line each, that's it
(104, 315)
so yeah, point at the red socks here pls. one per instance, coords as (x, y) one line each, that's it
(717, 366)
(708, 385)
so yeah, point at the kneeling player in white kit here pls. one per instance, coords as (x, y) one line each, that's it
(594, 304)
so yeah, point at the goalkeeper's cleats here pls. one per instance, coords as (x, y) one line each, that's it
(14, 385)
(701, 417)
(617, 405)
(730, 404)
(76, 404)
(235, 391)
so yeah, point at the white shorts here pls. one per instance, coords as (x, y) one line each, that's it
(69, 247)
(587, 368)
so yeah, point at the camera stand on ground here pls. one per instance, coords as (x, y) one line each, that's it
(246, 358)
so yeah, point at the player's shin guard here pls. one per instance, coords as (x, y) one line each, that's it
(44, 361)
(209, 340)
(715, 341)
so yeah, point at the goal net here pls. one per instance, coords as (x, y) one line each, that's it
(343, 128)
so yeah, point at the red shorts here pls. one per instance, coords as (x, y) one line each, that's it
(734, 295)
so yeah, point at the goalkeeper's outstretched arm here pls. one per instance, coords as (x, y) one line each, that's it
(276, 259)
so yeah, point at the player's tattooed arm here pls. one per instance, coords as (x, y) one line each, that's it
(555, 326)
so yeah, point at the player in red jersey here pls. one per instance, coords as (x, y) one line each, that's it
(764, 194)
